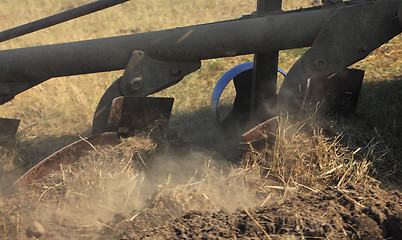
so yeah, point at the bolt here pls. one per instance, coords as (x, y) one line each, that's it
(175, 71)
(364, 49)
(136, 83)
(320, 63)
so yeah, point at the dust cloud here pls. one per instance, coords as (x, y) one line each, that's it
(11, 167)
(139, 180)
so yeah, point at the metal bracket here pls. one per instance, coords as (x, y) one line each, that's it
(332, 3)
(145, 75)
(348, 35)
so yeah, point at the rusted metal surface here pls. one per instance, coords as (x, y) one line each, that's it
(66, 155)
(58, 18)
(261, 135)
(130, 114)
(8, 129)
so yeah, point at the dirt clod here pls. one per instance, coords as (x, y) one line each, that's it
(354, 212)
(36, 230)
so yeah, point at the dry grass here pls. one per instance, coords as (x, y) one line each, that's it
(304, 159)
(139, 185)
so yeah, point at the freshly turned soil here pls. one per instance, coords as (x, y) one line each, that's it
(354, 212)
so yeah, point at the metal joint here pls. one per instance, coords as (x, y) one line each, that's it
(145, 75)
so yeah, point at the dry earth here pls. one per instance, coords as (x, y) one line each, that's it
(354, 212)
(122, 193)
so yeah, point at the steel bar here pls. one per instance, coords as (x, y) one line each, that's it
(265, 73)
(58, 18)
(221, 39)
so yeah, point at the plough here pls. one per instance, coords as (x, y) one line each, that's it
(339, 33)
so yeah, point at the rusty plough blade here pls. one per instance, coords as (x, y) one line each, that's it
(127, 115)
(262, 134)
(66, 155)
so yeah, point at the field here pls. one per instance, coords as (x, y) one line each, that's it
(340, 181)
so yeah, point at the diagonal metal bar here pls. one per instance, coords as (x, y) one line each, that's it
(58, 18)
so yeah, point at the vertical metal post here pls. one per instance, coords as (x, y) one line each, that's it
(263, 98)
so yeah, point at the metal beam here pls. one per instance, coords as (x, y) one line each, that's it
(265, 72)
(21, 69)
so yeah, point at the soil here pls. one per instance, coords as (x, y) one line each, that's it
(85, 201)
(354, 212)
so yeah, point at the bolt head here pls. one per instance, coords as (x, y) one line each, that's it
(364, 49)
(176, 72)
(320, 63)
(136, 83)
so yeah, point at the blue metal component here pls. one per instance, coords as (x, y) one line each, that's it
(225, 79)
